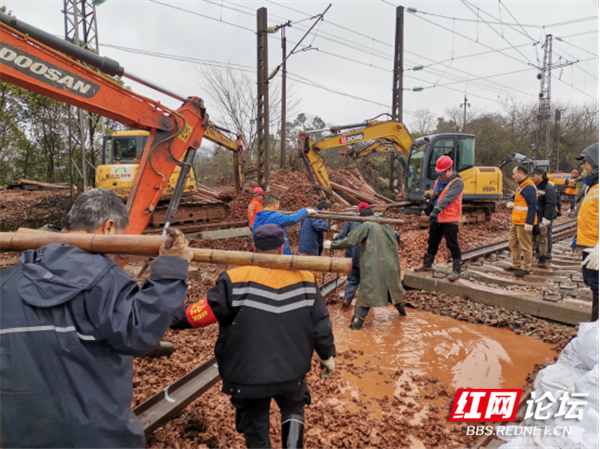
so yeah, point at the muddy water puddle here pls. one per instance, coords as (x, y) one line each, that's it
(462, 355)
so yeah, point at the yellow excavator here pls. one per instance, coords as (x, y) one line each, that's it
(121, 152)
(483, 185)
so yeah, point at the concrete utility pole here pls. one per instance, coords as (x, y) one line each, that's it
(464, 106)
(81, 29)
(283, 98)
(397, 88)
(262, 117)
(557, 113)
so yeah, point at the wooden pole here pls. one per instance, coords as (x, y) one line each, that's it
(148, 245)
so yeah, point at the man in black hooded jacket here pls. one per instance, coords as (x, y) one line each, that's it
(70, 326)
(546, 212)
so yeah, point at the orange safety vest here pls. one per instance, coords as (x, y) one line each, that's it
(587, 220)
(520, 209)
(254, 208)
(571, 188)
(452, 212)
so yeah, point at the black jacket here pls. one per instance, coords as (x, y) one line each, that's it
(70, 325)
(270, 323)
(546, 200)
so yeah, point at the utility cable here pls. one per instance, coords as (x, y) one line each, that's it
(468, 5)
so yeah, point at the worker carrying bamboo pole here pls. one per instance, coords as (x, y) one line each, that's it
(270, 323)
(71, 323)
(380, 282)
(353, 278)
(269, 215)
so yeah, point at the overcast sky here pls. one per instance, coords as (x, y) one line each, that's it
(355, 49)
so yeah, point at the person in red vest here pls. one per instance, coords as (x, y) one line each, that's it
(446, 204)
(256, 205)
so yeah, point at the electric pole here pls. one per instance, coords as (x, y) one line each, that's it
(82, 30)
(397, 88)
(283, 98)
(464, 106)
(557, 113)
(262, 117)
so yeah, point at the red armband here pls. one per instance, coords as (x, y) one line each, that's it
(200, 314)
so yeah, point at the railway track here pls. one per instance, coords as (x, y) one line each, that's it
(167, 403)
(555, 292)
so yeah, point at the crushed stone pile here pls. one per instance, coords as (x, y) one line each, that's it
(31, 209)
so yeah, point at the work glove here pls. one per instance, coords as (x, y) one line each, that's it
(528, 228)
(433, 216)
(311, 211)
(510, 205)
(591, 261)
(333, 227)
(176, 245)
(335, 236)
(327, 244)
(329, 367)
(545, 223)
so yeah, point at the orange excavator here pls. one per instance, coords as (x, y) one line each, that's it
(40, 62)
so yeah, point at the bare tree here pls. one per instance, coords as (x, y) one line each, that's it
(422, 123)
(231, 103)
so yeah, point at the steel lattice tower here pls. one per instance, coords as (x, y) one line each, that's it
(544, 110)
(543, 135)
(81, 29)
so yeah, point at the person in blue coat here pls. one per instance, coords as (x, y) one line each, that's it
(269, 215)
(312, 233)
(70, 326)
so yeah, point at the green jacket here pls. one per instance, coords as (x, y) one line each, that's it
(379, 264)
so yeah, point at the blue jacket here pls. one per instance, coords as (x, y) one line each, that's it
(71, 323)
(311, 236)
(353, 252)
(273, 217)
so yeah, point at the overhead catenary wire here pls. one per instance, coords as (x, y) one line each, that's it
(366, 49)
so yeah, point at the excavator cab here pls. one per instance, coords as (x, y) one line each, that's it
(121, 153)
(425, 152)
(123, 146)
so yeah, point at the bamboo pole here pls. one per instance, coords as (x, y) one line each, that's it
(343, 217)
(148, 245)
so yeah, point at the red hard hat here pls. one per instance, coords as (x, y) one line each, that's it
(258, 191)
(574, 172)
(361, 206)
(443, 164)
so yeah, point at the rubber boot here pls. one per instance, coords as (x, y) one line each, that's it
(400, 308)
(456, 264)
(543, 262)
(360, 313)
(594, 307)
(292, 434)
(428, 260)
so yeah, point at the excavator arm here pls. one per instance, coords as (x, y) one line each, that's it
(29, 59)
(212, 133)
(382, 137)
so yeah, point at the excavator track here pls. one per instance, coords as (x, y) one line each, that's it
(194, 213)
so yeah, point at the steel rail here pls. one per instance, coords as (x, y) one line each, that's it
(561, 230)
(167, 403)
